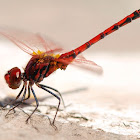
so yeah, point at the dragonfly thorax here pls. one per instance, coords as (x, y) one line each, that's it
(40, 67)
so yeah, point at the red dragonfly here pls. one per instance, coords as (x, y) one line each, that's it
(42, 64)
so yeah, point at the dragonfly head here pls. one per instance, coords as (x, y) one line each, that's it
(13, 78)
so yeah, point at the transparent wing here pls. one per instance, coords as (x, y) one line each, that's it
(89, 65)
(83, 63)
(30, 42)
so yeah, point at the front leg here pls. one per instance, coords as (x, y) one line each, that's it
(23, 97)
(14, 101)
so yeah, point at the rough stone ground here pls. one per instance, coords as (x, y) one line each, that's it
(15, 128)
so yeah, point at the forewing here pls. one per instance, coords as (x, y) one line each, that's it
(30, 42)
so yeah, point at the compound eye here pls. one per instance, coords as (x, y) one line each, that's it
(13, 78)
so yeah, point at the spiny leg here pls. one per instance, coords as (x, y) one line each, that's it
(12, 102)
(27, 96)
(37, 104)
(55, 91)
(23, 97)
(24, 101)
(43, 87)
(28, 93)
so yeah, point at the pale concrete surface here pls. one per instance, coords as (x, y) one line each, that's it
(15, 128)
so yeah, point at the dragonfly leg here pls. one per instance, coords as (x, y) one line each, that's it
(28, 93)
(43, 87)
(55, 91)
(27, 96)
(23, 97)
(13, 102)
(37, 104)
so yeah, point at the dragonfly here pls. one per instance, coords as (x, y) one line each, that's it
(44, 63)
